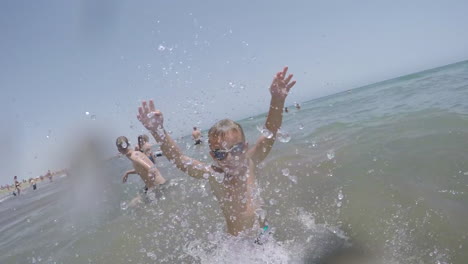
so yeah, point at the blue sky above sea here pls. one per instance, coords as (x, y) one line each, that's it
(72, 67)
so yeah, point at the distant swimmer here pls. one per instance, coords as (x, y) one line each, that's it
(49, 175)
(142, 166)
(286, 110)
(298, 106)
(17, 185)
(33, 183)
(196, 135)
(232, 177)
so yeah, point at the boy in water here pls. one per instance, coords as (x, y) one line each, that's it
(49, 175)
(145, 147)
(232, 179)
(17, 185)
(142, 166)
(196, 135)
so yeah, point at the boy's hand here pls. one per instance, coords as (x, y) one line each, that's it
(149, 117)
(280, 86)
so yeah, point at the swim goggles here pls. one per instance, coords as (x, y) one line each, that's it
(235, 150)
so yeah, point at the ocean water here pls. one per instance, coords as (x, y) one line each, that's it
(377, 174)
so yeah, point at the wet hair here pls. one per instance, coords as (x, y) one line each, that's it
(225, 126)
(142, 139)
(194, 128)
(120, 141)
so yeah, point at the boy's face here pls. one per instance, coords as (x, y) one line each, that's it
(229, 151)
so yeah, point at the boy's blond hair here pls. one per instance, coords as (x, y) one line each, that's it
(223, 127)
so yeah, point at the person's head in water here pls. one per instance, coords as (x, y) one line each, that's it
(122, 144)
(16, 177)
(142, 139)
(194, 128)
(227, 144)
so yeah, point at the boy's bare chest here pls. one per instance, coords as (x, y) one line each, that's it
(235, 194)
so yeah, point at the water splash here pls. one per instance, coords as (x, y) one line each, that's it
(265, 132)
(283, 136)
(340, 195)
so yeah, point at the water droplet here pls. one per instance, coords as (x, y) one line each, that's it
(338, 204)
(331, 154)
(161, 48)
(206, 175)
(301, 126)
(340, 195)
(219, 177)
(28, 220)
(265, 132)
(151, 255)
(283, 136)
(261, 213)
(285, 172)
(93, 117)
(86, 113)
(150, 115)
(123, 206)
(273, 202)
(293, 179)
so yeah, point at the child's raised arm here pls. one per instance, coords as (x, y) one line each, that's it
(153, 120)
(279, 90)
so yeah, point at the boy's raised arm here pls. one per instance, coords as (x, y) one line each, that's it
(153, 120)
(279, 90)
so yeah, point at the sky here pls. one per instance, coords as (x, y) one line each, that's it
(71, 69)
